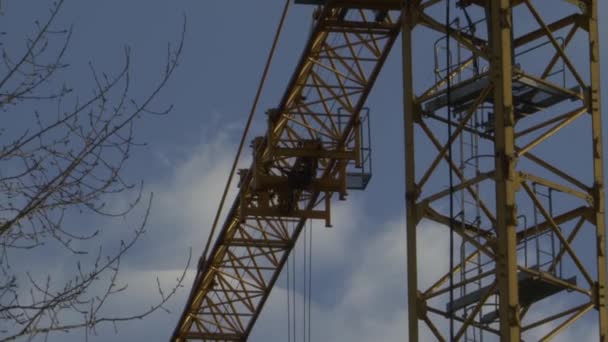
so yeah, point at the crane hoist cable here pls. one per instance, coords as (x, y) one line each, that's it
(293, 258)
(304, 279)
(291, 286)
(288, 281)
(450, 157)
(306, 256)
(307, 282)
(310, 282)
(247, 126)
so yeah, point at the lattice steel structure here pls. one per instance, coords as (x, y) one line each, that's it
(530, 224)
(539, 128)
(311, 150)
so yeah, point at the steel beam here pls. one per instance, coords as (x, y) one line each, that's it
(415, 311)
(500, 23)
(598, 187)
(499, 239)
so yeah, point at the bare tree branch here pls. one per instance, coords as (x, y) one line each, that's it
(67, 161)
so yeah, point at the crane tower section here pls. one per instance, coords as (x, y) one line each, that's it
(313, 151)
(513, 117)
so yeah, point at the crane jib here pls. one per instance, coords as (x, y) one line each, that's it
(312, 145)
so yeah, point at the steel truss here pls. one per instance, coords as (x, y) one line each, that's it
(531, 111)
(313, 139)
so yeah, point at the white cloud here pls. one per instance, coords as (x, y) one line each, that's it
(361, 261)
(373, 297)
(191, 197)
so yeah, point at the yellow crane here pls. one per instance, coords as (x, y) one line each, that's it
(506, 84)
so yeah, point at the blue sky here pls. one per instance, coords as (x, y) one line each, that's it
(185, 164)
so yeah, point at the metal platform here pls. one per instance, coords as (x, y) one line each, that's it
(530, 94)
(357, 180)
(532, 289)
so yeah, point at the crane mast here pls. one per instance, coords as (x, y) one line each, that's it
(514, 83)
(514, 118)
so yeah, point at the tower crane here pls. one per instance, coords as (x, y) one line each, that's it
(526, 213)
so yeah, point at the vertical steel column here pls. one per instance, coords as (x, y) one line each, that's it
(519, 137)
(500, 18)
(411, 189)
(598, 167)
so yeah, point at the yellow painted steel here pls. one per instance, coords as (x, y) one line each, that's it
(312, 138)
(301, 165)
(522, 135)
